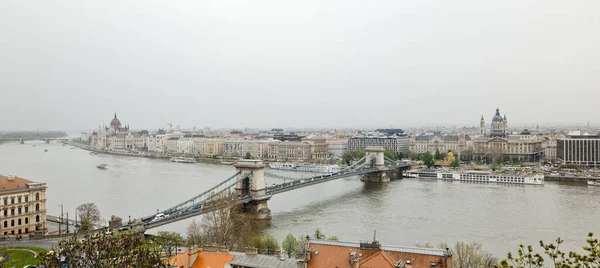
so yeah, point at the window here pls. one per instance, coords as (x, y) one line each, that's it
(26, 220)
(12, 223)
(12, 211)
(5, 224)
(37, 207)
(26, 199)
(37, 196)
(19, 210)
(19, 199)
(37, 218)
(19, 222)
(12, 200)
(6, 212)
(26, 209)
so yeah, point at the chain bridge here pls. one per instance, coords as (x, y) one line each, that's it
(248, 188)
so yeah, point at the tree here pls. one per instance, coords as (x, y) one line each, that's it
(455, 163)
(349, 156)
(528, 258)
(267, 244)
(438, 155)
(168, 242)
(123, 250)
(290, 245)
(467, 255)
(194, 234)
(248, 155)
(319, 235)
(226, 225)
(428, 159)
(467, 155)
(390, 155)
(449, 159)
(89, 215)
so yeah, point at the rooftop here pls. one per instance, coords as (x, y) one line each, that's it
(427, 251)
(12, 182)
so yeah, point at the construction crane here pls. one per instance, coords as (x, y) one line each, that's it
(170, 124)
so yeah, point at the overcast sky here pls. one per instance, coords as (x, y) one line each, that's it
(273, 63)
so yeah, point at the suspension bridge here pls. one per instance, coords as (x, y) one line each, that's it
(248, 188)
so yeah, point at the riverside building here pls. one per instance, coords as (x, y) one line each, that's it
(581, 149)
(22, 205)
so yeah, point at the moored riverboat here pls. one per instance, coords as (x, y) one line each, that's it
(479, 176)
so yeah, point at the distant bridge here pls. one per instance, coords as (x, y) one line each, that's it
(247, 188)
(47, 140)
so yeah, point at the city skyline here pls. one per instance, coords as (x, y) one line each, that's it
(275, 64)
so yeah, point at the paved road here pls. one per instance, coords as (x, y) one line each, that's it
(45, 244)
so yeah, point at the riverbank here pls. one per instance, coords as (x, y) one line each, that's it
(216, 161)
(569, 178)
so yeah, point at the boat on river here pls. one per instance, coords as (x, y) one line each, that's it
(594, 182)
(183, 159)
(478, 176)
(102, 166)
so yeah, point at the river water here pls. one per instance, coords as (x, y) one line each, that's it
(404, 212)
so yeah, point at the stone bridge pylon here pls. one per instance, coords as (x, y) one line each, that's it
(375, 158)
(253, 187)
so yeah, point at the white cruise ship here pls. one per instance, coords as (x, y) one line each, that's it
(306, 168)
(478, 176)
(183, 159)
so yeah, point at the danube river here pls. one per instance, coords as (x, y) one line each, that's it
(404, 212)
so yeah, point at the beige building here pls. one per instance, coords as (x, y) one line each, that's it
(213, 147)
(22, 205)
(500, 145)
(438, 141)
(305, 150)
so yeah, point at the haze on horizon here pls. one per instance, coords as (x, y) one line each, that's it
(233, 64)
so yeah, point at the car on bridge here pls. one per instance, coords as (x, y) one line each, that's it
(160, 216)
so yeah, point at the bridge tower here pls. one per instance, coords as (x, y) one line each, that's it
(375, 159)
(253, 187)
(21, 141)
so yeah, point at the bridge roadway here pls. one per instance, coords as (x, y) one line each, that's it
(201, 208)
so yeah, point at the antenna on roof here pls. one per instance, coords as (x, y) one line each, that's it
(374, 236)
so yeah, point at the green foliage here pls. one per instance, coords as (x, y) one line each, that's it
(319, 235)
(428, 159)
(390, 155)
(19, 257)
(527, 258)
(168, 242)
(333, 238)
(248, 155)
(290, 245)
(349, 156)
(569, 166)
(438, 155)
(108, 251)
(455, 163)
(270, 245)
(413, 155)
(85, 226)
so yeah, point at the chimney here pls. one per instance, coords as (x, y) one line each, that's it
(11, 177)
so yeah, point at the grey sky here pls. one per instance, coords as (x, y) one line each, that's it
(338, 63)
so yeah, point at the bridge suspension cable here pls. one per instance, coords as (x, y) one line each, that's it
(203, 197)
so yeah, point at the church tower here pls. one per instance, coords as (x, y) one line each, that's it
(482, 126)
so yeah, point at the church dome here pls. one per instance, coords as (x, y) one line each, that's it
(115, 122)
(497, 116)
